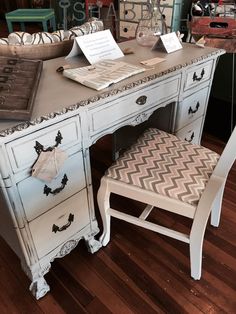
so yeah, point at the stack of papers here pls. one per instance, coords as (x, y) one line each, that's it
(103, 74)
(101, 50)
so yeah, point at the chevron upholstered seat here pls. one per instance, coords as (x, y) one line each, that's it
(165, 172)
(162, 163)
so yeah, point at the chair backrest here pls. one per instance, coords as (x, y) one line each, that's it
(227, 157)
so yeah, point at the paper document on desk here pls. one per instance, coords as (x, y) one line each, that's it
(103, 74)
(96, 47)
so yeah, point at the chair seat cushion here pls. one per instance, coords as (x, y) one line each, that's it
(162, 163)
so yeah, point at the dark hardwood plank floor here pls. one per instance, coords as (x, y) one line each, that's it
(139, 271)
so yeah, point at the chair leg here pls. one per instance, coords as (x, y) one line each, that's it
(103, 198)
(195, 246)
(196, 239)
(216, 208)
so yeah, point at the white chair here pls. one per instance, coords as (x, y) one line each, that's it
(164, 171)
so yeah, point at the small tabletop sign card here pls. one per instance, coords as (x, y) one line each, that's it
(168, 42)
(96, 47)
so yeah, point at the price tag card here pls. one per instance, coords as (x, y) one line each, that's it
(152, 61)
(96, 47)
(169, 42)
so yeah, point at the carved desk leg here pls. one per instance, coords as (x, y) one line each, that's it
(92, 244)
(103, 198)
(39, 288)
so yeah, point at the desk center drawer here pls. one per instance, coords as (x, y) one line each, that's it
(121, 109)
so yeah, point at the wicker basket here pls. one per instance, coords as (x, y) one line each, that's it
(41, 52)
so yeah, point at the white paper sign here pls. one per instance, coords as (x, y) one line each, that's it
(169, 42)
(96, 47)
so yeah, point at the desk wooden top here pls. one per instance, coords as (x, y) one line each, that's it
(56, 94)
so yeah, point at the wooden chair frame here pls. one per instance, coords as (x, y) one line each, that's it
(209, 203)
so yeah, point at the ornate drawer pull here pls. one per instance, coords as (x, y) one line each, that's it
(7, 70)
(55, 228)
(191, 138)
(5, 88)
(141, 100)
(12, 61)
(47, 190)
(196, 78)
(190, 110)
(40, 148)
(2, 100)
(3, 79)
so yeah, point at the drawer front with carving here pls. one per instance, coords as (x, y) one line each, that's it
(191, 108)
(38, 196)
(59, 224)
(124, 108)
(191, 132)
(198, 74)
(23, 152)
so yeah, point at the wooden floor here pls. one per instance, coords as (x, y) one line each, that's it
(139, 271)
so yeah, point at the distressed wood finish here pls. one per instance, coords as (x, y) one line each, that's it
(72, 116)
(229, 44)
(19, 79)
(139, 271)
(215, 26)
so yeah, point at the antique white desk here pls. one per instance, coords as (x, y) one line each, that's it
(41, 224)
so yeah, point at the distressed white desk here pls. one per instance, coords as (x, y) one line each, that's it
(41, 224)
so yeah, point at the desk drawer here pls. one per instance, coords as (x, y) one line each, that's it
(35, 195)
(128, 106)
(59, 224)
(191, 108)
(191, 132)
(22, 152)
(198, 74)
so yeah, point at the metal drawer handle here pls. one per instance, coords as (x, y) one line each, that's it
(47, 190)
(196, 78)
(191, 138)
(190, 110)
(141, 100)
(2, 100)
(55, 228)
(40, 148)
(3, 79)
